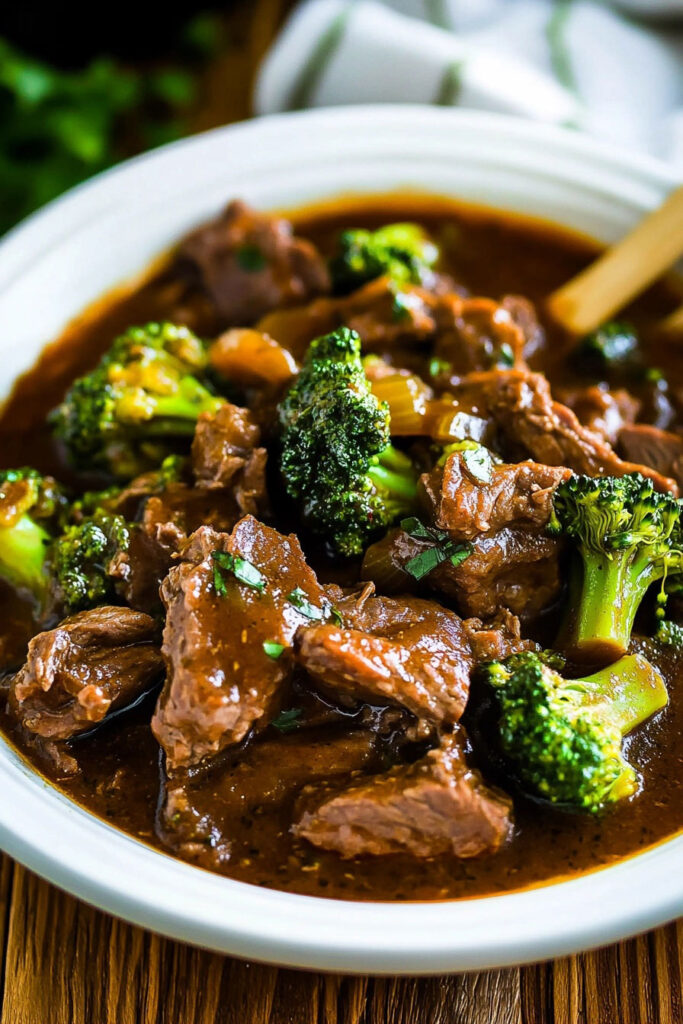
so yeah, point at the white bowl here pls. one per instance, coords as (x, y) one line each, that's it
(106, 231)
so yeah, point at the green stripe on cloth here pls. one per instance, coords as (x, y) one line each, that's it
(559, 51)
(305, 86)
(450, 86)
(437, 12)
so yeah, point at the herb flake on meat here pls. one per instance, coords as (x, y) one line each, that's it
(287, 721)
(243, 571)
(442, 549)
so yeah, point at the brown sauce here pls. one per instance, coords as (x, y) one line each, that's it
(491, 254)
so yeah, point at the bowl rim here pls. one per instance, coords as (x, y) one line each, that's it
(59, 840)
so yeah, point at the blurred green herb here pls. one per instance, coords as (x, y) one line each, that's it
(59, 127)
(287, 721)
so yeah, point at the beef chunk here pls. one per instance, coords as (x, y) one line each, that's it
(249, 263)
(466, 505)
(436, 806)
(604, 412)
(202, 818)
(498, 638)
(533, 424)
(511, 568)
(225, 454)
(476, 334)
(523, 315)
(221, 680)
(381, 315)
(93, 663)
(515, 568)
(229, 472)
(167, 519)
(659, 449)
(139, 570)
(408, 652)
(513, 564)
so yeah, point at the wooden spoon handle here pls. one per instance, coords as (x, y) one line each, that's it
(624, 271)
(672, 325)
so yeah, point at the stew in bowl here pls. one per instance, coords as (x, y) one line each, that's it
(329, 564)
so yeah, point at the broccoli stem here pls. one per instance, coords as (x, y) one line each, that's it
(632, 688)
(393, 472)
(23, 547)
(601, 623)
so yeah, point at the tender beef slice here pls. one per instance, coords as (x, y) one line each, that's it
(249, 263)
(408, 652)
(93, 663)
(514, 569)
(138, 572)
(466, 506)
(202, 818)
(659, 449)
(532, 424)
(523, 315)
(226, 455)
(221, 682)
(166, 521)
(382, 316)
(498, 638)
(436, 806)
(602, 411)
(476, 334)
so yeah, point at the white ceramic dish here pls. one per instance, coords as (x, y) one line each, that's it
(106, 231)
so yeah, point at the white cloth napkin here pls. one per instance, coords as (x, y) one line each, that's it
(571, 62)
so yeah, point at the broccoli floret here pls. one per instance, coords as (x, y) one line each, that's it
(669, 633)
(613, 347)
(30, 509)
(564, 736)
(401, 251)
(628, 536)
(80, 561)
(336, 461)
(139, 403)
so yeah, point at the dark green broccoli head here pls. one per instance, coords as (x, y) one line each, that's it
(669, 633)
(142, 399)
(614, 347)
(628, 536)
(403, 252)
(31, 507)
(80, 561)
(336, 460)
(564, 736)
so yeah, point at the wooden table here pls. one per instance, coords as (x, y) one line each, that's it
(65, 963)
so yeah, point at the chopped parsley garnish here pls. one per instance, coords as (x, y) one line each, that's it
(225, 563)
(250, 258)
(506, 357)
(288, 720)
(299, 601)
(438, 366)
(400, 310)
(442, 549)
(273, 649)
